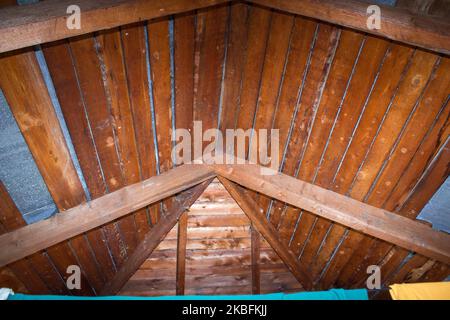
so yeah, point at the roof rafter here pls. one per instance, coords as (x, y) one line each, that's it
(154, 237)
(28, 25)
(43, 234)
(382, 224)
(397, 24)
(25, 26)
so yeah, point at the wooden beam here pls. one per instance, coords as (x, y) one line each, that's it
(397, 24)
(357, 215)
(256, 272)
(152, 239)
(28, 25)
(181, 253)
(259, 221)
(62, 226)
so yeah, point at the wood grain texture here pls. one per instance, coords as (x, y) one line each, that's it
(400, 25)
(354, 214)
(181, 254)
(183, 201)
(25, 26)
(97, 212)
(252, 210)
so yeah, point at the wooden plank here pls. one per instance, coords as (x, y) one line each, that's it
(236, 48)
(257, 33)
(252, 210)
(115, 79)
(296, 67)
(154, 237)
(159, 54)
(376, 222)
(256, 273)
(400, 25)
(43, 234)
(211, 32)
(184, 49)
(135, 58)
(88, 61)
(181, 253)
(24, 26)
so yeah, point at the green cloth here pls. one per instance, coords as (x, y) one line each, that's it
(333, 294)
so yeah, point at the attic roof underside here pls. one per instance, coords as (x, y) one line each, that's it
(358, 114)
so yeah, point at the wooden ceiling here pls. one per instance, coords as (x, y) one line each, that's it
(358, 114)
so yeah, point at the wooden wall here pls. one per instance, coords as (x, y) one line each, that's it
(360, 115)
(218, 254)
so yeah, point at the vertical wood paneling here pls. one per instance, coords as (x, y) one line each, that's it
(181, 254)
(258, 30)
(256, 256)
(88, 61)
(211, 42)
(184, 48)
(135, 59)
(116, 86)
(159, 52)
(237, 44)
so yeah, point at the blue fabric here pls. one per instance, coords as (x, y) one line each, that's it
(333, 294)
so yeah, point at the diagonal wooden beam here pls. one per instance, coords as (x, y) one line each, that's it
(253, 212)
(357, 215)
(45, 21)
(32, 238)
(397, 24)
(152, 239)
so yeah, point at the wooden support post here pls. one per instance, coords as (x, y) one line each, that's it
(152, 239)
(253, 212)
(256, 272)
(181, 253)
